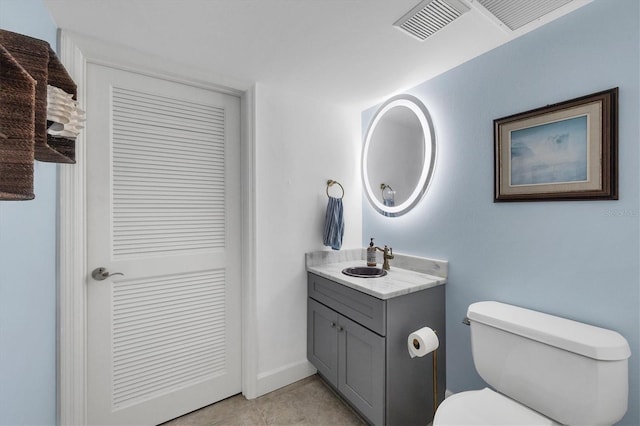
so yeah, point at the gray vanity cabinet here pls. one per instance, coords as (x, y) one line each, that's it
(322, 340)
(361, 368)
(350, 357)
(358, 344)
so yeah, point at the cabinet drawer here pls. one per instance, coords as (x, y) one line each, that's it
(361, 308)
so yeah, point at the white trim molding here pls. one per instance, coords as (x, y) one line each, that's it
(76, 52)
(283, 376)
(249, 308)
(72, 262)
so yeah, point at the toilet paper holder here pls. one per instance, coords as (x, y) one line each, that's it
(416, 344)
(434, 366)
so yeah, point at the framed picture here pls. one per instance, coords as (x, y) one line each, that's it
(565, 151)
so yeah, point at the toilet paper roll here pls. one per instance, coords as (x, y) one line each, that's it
(422, 342)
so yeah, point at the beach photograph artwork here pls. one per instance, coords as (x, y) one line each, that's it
(551, 153)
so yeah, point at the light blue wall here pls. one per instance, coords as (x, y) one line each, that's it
(28, 270)
(576, 259)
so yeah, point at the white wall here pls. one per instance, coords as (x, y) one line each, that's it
(300, 144)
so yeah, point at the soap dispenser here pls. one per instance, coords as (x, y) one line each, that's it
(371, 254)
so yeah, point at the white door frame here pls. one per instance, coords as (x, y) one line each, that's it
(75, 53)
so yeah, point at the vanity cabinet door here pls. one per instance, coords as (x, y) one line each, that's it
(322, 340)
(361, 362)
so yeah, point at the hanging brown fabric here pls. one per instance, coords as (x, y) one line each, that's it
(17, 100)
(39, 60)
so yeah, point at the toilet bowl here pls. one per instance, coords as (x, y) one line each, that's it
(543, 370)
(486, 407)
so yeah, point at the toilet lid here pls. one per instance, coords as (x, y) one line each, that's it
(486, 407)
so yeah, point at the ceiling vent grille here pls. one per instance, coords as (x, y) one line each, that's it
(430, 16)
(517, 14)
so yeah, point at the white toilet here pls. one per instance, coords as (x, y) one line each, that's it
(545, 370)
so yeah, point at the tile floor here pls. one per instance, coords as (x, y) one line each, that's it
(307, 402)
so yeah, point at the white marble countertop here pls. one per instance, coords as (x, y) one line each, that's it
(424, 273)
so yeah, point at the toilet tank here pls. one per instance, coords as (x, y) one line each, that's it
(572, 372)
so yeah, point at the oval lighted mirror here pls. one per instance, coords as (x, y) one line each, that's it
(398, 155)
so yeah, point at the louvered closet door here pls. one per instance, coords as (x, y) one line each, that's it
(163, 209)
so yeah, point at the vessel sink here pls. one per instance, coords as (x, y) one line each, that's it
(364, 272)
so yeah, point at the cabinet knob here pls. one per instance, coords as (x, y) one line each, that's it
(340, 328)
(333, 324)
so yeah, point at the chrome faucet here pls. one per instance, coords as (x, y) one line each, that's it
(387, 254)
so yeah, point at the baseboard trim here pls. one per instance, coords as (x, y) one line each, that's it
(283, 376)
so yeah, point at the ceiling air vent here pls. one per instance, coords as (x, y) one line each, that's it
(517, 14)
(430, 16)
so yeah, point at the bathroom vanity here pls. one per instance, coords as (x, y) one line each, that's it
(358, 329)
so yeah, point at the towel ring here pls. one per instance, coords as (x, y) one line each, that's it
(330, 183)
(384, 186)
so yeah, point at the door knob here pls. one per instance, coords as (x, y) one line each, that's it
(101, 274)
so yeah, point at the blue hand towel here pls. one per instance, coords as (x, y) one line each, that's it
(334, 224)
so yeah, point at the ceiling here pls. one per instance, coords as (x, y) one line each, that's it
(343, 51)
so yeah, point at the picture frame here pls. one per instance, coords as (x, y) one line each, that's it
(565, 151)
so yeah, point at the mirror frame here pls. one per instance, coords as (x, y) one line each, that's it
(421, 112)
